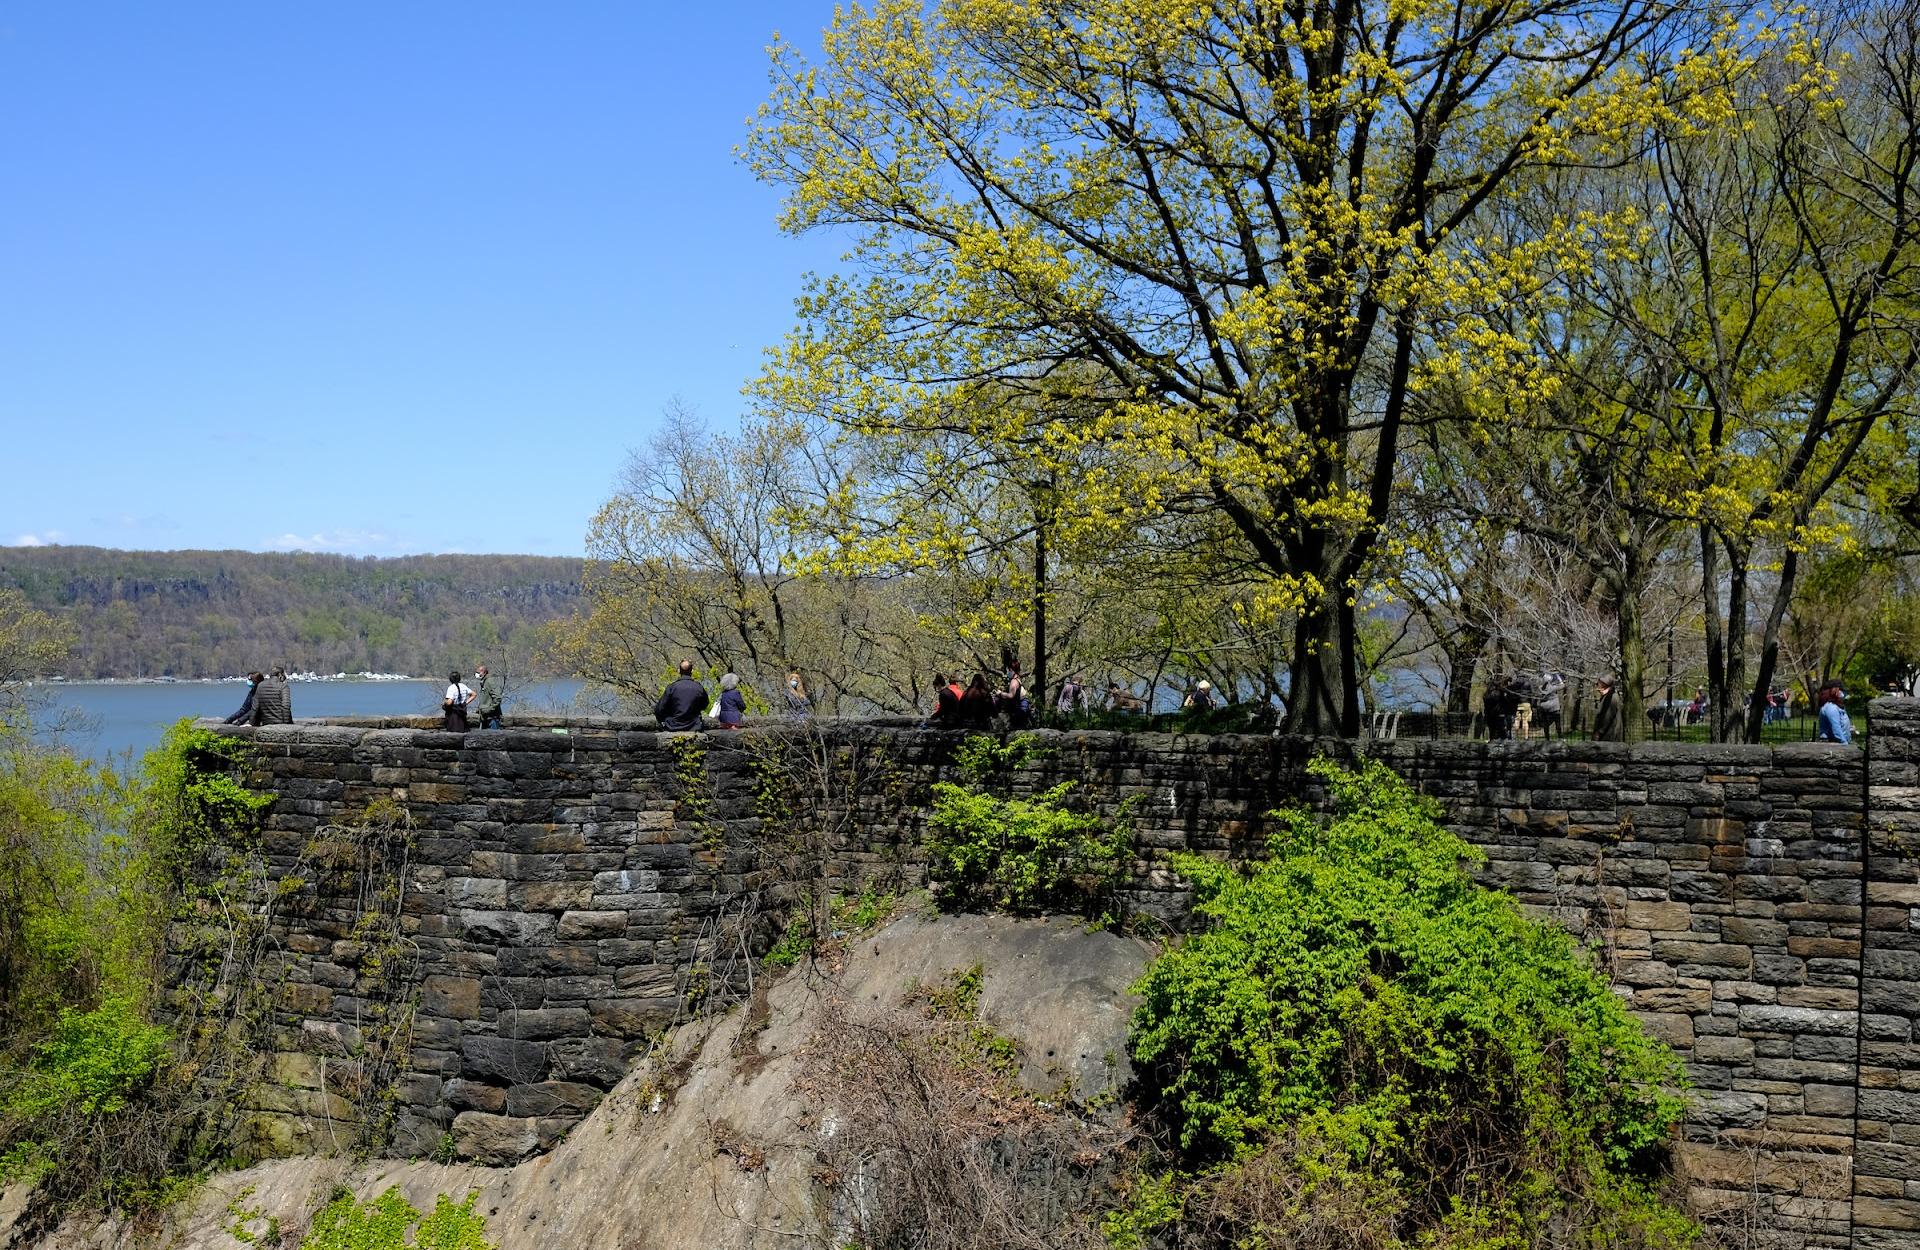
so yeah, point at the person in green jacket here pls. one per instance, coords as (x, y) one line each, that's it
(487, 700)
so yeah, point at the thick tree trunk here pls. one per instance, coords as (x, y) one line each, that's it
(1316, 699)
(1463, 664)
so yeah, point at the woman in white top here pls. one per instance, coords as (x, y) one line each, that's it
(455, 702)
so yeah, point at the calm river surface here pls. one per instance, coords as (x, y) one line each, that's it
(104, 719)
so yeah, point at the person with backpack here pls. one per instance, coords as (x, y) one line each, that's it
(455, 702)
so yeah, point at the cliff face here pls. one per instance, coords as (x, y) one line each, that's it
(729, 1134)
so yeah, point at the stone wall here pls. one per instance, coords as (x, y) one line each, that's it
(573, 887)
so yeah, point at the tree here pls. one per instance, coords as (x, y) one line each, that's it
(31, 643)
(690, 559)
(1242, 219)
(1756, 339)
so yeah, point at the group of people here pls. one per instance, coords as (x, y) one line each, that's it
(269, 700)
(1514, 706)
(680, 705)
(462, 699)
(975, 705)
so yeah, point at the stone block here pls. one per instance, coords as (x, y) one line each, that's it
(475, 892)
(1760, 1018)
(600, 1061)
(1673, 1029)
(550, 895)
(457, 998)
(475, 1096)
(553, 1098)
(1828, 1100)
(495, 1140)
(1658, 916)
(512, 1060)
(632, 1016)
(1712, 1049)
(1886, 1213)
(1689, 1001)
(544, 1024)
(590, 925)
(506, 928)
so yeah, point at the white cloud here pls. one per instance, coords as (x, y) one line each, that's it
(350, 542)
(45, 538)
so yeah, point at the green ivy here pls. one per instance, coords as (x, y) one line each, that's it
(1359, 990)
(382, 1223)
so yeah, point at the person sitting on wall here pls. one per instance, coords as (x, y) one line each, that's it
(272, 700)
(976, 705)
(733, 704)
(1831, 702)
(245, 715)
(681, 702)
(946, 703)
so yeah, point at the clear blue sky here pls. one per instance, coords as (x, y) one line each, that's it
(375, 278)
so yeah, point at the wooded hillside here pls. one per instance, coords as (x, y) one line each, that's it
(218, 613)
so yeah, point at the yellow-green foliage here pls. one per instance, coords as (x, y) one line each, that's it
(1018, 855)
(382, 1223)
(1403, 1031)
(90, 866)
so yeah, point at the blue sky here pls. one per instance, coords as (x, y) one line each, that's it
(372, 278)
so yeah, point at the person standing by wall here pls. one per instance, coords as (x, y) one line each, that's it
(681, 702)
(454, 703)
(272, 700)
(1546, 709)
(1607, 725)
(487, 702)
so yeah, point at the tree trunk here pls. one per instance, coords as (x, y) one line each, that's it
(1633, 655)
(1038, 690)
(1463, 664)
(1315, 698)
(1770, 645)
(1720, 726)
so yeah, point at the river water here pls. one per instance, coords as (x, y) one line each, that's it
(107, 719)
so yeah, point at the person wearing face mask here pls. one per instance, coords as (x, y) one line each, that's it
(245, 715)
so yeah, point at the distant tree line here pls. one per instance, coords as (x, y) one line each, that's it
(221, 613)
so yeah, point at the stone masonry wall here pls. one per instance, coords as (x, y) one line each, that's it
(570, 893)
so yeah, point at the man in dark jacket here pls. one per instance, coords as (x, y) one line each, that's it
(682, 702)
(1607, 725)
(272, 700)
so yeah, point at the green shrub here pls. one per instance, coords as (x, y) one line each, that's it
(1019, 855)
(91, 1061)
(1358, 993)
